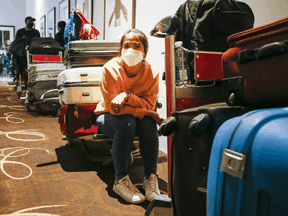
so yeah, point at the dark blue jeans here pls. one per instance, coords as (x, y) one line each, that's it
(124, 128)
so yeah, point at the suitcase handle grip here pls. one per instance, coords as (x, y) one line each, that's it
(266, 51)
(86, 94)
(46, 46)
(272, 49)
(199, 124)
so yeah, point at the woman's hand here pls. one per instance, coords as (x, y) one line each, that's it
(118, 102)
(158, 119)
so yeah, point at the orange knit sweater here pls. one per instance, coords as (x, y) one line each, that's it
(144, 88)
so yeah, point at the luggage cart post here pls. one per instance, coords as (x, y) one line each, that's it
(19, 87)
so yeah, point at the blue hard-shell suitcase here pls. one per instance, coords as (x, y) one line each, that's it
(248, 169)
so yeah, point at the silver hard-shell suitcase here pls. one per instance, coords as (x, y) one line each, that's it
(90, 52)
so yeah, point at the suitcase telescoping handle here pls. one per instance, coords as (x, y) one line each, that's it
(266, 51)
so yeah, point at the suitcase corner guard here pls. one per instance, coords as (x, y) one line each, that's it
(233, 163)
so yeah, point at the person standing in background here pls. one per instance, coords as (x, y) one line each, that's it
(23, 38)
(6, 56)
(60, 35)
(28, 30)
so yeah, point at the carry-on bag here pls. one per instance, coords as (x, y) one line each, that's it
(90, 52)
(48, 46)
(192, 136)
(248, 167)
(204, 25)
(79, 85)
(255, 66)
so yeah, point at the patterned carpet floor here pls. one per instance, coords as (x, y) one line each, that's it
(41, 175)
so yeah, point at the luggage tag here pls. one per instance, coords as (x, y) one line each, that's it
(76, 114)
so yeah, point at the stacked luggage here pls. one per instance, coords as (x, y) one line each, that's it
(254, 66)
(79, 93)
(44, 64)
(238, 147)
(79, 85)
(192, 132)
(248, 164)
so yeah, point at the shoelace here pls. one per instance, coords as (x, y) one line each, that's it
(152, 184)
(128, 185)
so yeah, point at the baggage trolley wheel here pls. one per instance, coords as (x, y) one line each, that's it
(56, 112)
(232, 99)
(19, 94)
(27, 103)
(27, 107)
(70, 141)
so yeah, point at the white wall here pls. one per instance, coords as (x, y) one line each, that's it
(12, 13)
(40, 8)
(267, 11)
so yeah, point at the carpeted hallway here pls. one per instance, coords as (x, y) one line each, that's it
(41, 175)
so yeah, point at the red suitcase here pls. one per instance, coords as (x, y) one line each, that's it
(255, 68)
(76, 121)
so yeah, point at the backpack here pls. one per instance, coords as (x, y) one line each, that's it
(205, 25)
(17, 47)
(74, 28)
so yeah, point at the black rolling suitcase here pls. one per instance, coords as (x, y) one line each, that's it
(44, 46)
(192, 136)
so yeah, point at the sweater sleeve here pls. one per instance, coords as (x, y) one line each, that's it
(110, 89)
(148, 99)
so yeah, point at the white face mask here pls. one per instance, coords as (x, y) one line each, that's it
(131, 56)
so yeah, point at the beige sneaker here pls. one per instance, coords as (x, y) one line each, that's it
(128, 191)
(150, 187)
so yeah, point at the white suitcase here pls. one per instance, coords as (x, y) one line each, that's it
(79, 85)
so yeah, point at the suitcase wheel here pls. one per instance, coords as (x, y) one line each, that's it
(167, 126)
(199, 124)
(70, 141)
(56, 112)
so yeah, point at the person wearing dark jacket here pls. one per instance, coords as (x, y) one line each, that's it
(60, 35)
(22, 39)
(28, 30)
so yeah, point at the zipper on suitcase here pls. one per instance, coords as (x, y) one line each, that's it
(76, 114)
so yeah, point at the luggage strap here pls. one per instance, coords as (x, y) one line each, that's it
(266, 51)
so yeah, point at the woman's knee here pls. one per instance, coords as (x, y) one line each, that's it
(127, 122)
(147, 122)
